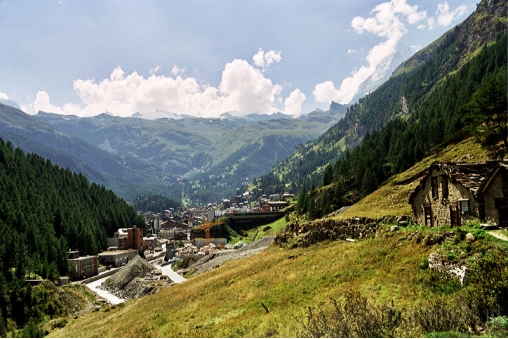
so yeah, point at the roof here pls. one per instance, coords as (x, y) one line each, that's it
(472, 176)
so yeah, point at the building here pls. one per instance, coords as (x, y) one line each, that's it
(272, 206)
(82, 267)
(116, 258)
(130, 238)
(455, 193)
(149, 243)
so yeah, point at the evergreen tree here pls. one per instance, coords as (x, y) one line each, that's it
(327, 175)
(485, 115)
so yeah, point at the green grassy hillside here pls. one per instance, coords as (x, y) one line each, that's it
(390, 268)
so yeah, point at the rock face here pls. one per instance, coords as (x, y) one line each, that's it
(327, 229)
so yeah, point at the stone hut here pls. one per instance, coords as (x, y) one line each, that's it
(455, 193)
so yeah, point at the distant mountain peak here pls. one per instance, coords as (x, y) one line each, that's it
(9, 103)
(383, 71)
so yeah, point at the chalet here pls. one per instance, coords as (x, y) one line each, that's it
(455, 193)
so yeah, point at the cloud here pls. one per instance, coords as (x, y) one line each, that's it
(387, 22)
(243, 88)
(444, 17)
(293, 103)
(264, 60)
(155, 69)
(351, 51)
(3, 96)
(175, 71)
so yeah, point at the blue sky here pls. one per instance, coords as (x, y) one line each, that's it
(204, 57)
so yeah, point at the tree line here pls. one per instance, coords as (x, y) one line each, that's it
(46, 210)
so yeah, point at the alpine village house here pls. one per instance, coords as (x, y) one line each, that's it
(455, 193)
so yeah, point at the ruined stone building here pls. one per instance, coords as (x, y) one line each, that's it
(455, 193)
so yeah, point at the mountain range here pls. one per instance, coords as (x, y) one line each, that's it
(422, 101)
(173, 157)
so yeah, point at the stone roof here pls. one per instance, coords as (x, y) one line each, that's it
(472, 176)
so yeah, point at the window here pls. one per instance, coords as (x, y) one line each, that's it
(433, 182)
(464, 206)
(444, 186)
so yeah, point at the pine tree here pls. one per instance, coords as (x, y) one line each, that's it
(485, 115)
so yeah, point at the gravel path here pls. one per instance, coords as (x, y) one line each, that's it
(94, 286)
(216, 259)
(167, 270)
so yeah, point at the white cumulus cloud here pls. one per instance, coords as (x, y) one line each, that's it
(243, 88)
(42, 103)
(387, 22)
(444, 16)
(4, 96)
(264, 60)
(293, 103)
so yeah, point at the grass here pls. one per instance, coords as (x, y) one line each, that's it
(263, 231)
(228, 300)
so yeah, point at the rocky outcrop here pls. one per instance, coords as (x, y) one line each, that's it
(452, 268)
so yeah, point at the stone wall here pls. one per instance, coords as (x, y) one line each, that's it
(328, 229)
(497, 189)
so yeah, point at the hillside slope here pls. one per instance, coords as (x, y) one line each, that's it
(422, 101)
(228, 301)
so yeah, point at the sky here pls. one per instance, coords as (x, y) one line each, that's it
(204, 57)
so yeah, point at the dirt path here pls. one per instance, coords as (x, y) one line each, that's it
(498, 235)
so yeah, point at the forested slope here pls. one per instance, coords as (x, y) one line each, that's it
(408, 115)
(46, 210)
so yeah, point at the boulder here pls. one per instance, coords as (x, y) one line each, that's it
(470, 237)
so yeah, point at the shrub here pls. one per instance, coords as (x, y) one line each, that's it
(487, 288)
(498, 326)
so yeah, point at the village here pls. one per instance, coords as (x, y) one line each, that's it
(447, 193)
(170, 235)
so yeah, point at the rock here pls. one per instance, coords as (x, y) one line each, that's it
(470, 237)
(394, 228)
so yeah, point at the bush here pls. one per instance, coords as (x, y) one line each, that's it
(487, 288)
(498, 327)
(356, 317)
